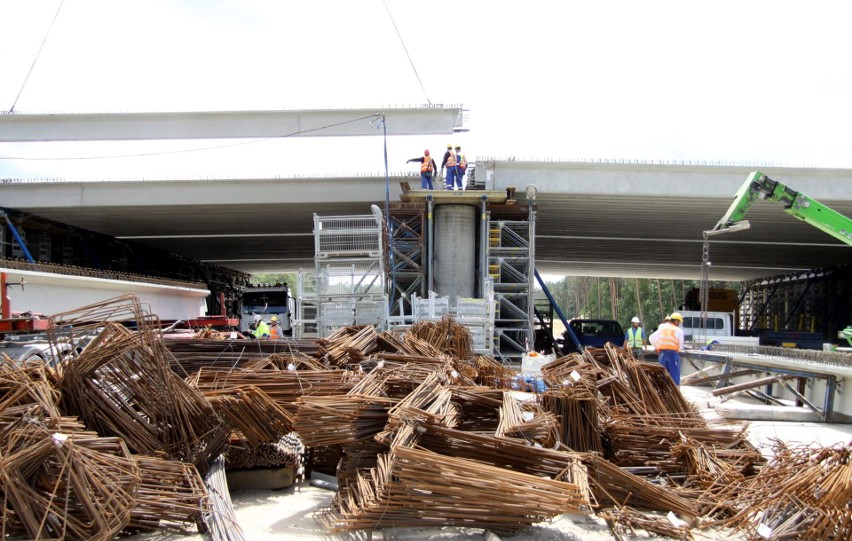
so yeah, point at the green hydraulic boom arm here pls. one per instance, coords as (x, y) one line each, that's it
(758, 185)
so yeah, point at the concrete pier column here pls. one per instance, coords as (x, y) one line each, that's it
(455, 251)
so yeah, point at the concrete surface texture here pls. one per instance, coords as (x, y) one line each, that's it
(272, 515)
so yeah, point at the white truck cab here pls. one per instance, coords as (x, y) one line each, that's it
(719, 327)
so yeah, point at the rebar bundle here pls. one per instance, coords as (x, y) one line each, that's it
(283, 387)
(446, 335)
(328, 420)
(528, 422)
(803, 493)
(222, 521)
(252, 416)
(576, 408)
(286, 451)
(348, 345)
(189, 355)
(121, 385)
(623, 522)
(73, 486)
(170, 496)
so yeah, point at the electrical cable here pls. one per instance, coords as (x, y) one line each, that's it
(38, 53)
(410, 61)
(163, 153)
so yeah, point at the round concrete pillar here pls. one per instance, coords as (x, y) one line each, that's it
(455, 251)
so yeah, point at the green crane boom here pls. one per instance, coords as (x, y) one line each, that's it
(758, 185)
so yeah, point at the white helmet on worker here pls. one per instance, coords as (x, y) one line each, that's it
(257, 318)
(634, 320)
(676, 316)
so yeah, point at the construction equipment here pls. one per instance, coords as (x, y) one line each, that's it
(795, 203)
(799, 205)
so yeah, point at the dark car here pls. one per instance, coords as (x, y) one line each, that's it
(583, 333)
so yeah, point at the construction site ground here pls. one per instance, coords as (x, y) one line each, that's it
(288, 513)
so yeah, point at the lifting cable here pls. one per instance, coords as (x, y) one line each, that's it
(404, 48)
(12, 109)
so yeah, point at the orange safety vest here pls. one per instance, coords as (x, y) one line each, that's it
(451, 161)
(462, 161)
(426, 166)
(275, 332)
(668, 338)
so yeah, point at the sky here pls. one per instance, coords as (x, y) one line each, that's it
(724, 81)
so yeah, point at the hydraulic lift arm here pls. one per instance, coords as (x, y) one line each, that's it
(758, 185)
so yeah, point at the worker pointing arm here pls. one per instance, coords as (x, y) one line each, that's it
(427, 169)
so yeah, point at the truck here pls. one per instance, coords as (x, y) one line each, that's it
(759, 186)
(267, 300)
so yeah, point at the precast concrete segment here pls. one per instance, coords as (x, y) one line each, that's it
(455, 255)
(425, 120)
(661, 180)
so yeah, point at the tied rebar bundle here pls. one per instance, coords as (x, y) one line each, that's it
(58, 485)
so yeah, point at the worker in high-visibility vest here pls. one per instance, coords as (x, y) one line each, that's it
(668, 341)
(261, 329)
(461, 168)
(427, 169)
(449, 163)
(634, 339)
(275, 331)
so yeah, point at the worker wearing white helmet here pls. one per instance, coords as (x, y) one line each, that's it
(668, 341)
(635, 339)
(261, 329)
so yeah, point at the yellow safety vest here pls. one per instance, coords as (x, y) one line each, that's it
(634, 339)
(462, 161)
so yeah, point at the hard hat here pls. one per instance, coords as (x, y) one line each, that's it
(677, 316)
(458, 147)
(274, 318)
(426, 152)
(634, 320)
(257, 318)
(449, 145)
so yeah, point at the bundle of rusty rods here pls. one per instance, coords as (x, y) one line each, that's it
(287, 451)
(188, 355)
(253, 417)
(527, 422)
(283, 387)
(802, 493)
(222, 521)
(57, 485)
(418, 430)
(119, 386)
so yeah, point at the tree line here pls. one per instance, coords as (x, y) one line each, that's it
(621, 299)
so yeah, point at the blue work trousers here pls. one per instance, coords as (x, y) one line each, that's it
(671, 361)
(452, 172)
(426, 180)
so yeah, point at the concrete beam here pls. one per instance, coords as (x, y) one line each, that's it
(664, 180)
(426, 120)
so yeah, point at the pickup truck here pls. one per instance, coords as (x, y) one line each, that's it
(583, 333)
